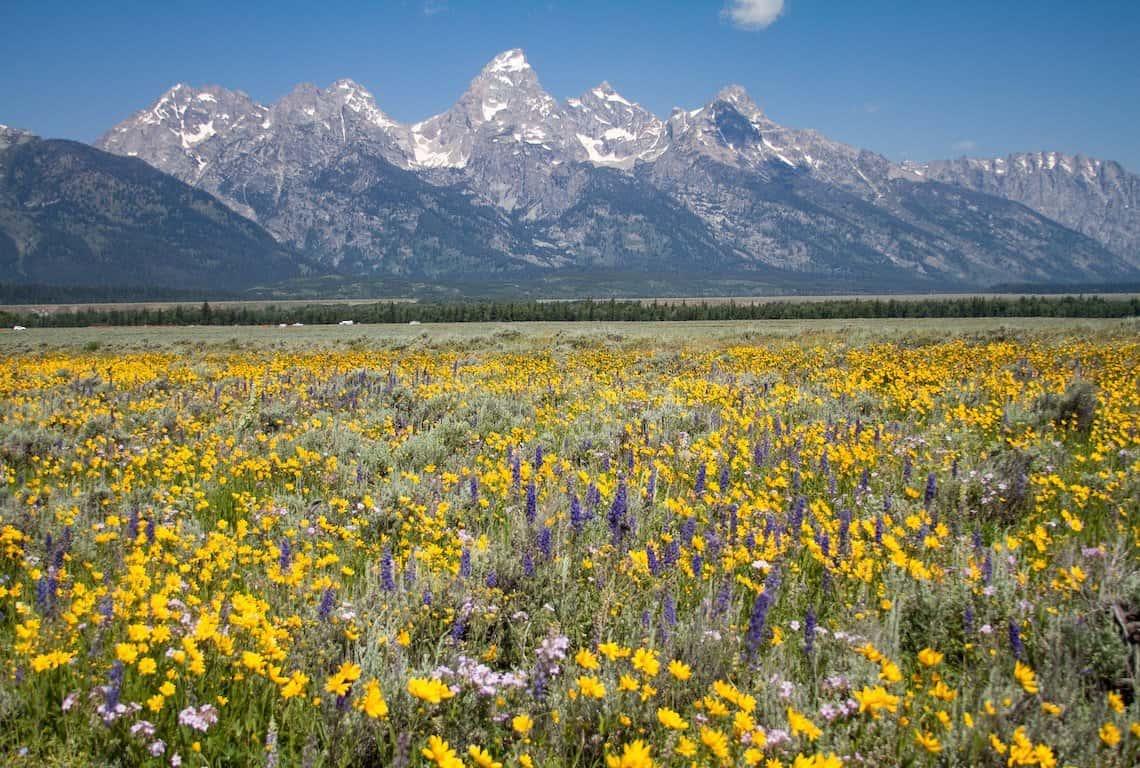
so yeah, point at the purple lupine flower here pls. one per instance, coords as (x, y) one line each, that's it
(987, 568)
(516, 471)
(387, 571)
(464, 563)
(724, 477)
(285, 556)
(864, 480)
(1015, 644)
(538, 457)
(755, 635)
(651, 488)
(543, 542)
(772, 583)
(907, 467)
(538, 680)
(459, 623)
(491, 580)
(699, 483)
(671, 554)
(45, 594)
(651, 560)
(697, 565)
(150, 535)
(528, 564)
(978, 544)
(593, 499)
(723, 597)
(531, 502)
(427, 598)
(473, 488)
(133, 525)
(809, 630)
(954, 468)
(931, 491)
(825, 464)
(968, 621)
(617, 517)
(796, 518)
(328, 600)
(669, 610)
(577, 518)
(111, 709)
(844, 531)
(688, 530)
(878, 530)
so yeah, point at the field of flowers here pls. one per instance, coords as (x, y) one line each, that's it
(603, 551)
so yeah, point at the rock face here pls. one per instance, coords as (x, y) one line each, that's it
(71, 214)
(1095, 197)
(509, 180)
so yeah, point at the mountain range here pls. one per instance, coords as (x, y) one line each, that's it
(512, 184)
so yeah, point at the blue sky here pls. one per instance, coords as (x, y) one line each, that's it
(913, 80)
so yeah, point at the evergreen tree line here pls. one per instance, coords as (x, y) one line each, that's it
(612, 310)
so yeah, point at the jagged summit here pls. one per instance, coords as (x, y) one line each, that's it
(513, 60)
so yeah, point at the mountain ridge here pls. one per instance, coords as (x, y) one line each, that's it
(518, 162)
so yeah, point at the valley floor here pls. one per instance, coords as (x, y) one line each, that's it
(800, 544)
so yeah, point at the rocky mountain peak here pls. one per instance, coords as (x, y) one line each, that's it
(605, 128)
(11, 136)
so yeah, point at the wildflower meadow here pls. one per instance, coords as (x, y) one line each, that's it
(574, 550)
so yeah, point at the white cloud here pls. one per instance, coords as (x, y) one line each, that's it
(432, 7)
(965, 145)
(753, 14)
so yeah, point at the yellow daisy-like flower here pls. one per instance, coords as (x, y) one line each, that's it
(800, 724)
(686, 747)
(645, 661)
(591, 687)
(441, 753)
(372, 703)
(482, 758)
(928, 741)
(126, 652)
(613, 651)
(1025, 677)
(873, 700)
(716, 741)
(586, 659)
(429, 689)
(635, 754)
(671, 719)
(928, 657)
(680, 670)
(522, 723)
(1109, 734)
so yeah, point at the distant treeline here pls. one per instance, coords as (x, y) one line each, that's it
(404, 312)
